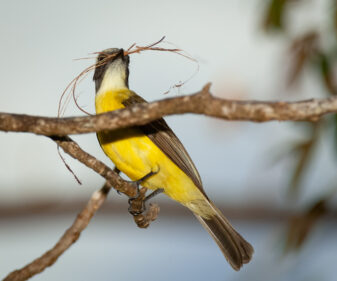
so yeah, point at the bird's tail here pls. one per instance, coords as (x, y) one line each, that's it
(235, 248)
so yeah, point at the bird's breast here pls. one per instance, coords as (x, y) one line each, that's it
(136, 155)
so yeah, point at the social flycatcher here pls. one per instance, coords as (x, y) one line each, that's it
(138, 151)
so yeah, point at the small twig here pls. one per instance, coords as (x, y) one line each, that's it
(137, 49)
(143, 220)
(97, 199)
(112, 176)
(69, 237)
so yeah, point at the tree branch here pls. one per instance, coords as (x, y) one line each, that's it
(75, 151)
(142, 220)
(68, 238)
(199, 103)
(97, 199)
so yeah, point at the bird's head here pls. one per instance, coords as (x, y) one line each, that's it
(112, 67)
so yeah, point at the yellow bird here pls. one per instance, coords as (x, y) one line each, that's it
(154, 148)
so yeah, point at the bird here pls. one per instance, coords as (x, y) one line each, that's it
(153, 153)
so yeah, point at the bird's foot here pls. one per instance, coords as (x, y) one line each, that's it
(137, 203)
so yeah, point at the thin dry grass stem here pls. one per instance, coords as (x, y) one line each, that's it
(62, 108)
(182, 83)
(137, 49)
(134, 44)
(182, 52)
(67, 165)
(71, 87)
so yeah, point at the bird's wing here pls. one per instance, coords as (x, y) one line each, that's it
(162, 136)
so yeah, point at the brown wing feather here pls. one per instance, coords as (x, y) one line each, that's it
(162, 136)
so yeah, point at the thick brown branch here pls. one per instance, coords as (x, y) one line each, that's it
(200, 103)
(68, 238)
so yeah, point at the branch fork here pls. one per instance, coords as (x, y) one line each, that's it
(201, 102)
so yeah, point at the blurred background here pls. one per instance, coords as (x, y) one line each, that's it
(276, 181)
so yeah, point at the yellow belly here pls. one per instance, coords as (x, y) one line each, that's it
(136, 155)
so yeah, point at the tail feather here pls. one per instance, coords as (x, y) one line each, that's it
(235, 248)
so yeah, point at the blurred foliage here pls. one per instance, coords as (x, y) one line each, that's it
(274, 19)
(300, 226)
(301, 51)
(324, 65)
(314, 50)
(334, 124)
(303, 152)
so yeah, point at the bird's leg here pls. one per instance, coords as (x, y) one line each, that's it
(153, 194)
(116, 170)
(137, 183)
(137, 203)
